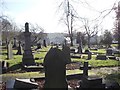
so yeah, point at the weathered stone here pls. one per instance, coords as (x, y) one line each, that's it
(21, 84)
(85, 69)
(44, 43)
(101, 57)
(5, 66)
(92, 82)
(14, 43)
(19, 52)
(9, 51)
(109, 51)
(66, 51)
(89, 55)
(28, 58)
(55, 69)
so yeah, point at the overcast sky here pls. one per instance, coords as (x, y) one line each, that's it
(44, 12)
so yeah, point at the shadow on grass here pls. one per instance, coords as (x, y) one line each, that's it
(3, 53)
(15, 67)
(114, 77)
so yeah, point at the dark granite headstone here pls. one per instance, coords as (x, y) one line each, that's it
(85, 69)
(72, 50)
(79, 41)
(86, 51)
(19, 52)
(5, 66)
(91, 82)
(14, 43)
(101, 57)
(79, 49)
(28, 58)
(89, 55)
(44, 43)
(88, 81)
(39, 46)
(66, 51)
(55, 69)
(109, 51)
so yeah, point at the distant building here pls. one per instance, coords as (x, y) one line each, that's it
(56, 38)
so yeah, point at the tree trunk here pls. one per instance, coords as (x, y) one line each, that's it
(118, 14)
(71, 39)
(88, 41)
(118, 41)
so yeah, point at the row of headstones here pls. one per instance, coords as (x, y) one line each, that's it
(109, 54)
(19, 44)
(109, 51)
(10, 52)
(55, 72)
(19, 49)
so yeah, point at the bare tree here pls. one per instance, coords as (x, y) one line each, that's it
(7, 32)
(90, 30)
(117, 24)
(68, 17)
(37, 33)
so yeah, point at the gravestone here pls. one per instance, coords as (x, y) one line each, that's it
(85, 69)
(17, 84)
(14, 43)
(5, 66)
(79, 41)
(28, 58)
(86, 51)
(66, 51)
(89, 55)
(55, 69)
(39, 46)
(109, 51)
(90, 81)
(9, 51)
(44, 43)
(79, 49)
(72, 50)
(19, 52)
(101, 57)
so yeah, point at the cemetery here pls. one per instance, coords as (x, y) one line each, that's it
(86, 56)
(58, 66)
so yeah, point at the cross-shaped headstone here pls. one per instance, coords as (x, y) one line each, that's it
(85, 68)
